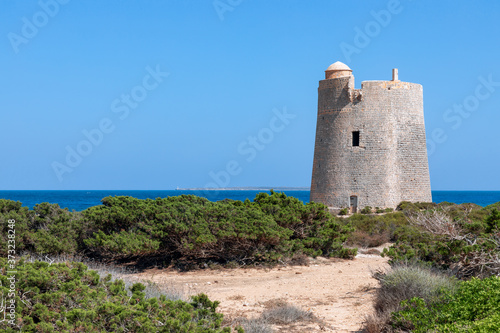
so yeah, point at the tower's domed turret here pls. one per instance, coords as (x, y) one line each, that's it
(337, 69)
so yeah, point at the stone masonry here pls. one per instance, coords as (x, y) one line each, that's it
(370, 143)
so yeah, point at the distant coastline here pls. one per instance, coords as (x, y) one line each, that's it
(82, 199)
(256, 188)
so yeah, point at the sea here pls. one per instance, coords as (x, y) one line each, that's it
(81, 200)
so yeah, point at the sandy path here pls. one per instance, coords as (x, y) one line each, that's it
(339, 292)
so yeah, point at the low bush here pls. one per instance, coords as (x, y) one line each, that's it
(45, 229)
(473, 307)
(366, 210)
(68, 297)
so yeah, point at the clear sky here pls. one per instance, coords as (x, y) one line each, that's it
(159, 94)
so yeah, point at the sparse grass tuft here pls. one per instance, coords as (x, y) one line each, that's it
(236, 298)
(286, 314)
(256, 325)
(274, 303)
(405, 281)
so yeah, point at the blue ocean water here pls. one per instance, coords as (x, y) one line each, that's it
(81, 200)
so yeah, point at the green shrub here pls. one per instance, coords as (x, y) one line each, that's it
(406, 206)
(366, 210)
(47, 229)
(344, 211)
(473, 307)
(315, 230)
(69, 297)
(493, 221)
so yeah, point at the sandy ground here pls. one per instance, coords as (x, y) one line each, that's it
(338, 292)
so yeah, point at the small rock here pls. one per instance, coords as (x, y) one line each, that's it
(298, 272)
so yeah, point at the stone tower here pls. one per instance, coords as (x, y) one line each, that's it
(370, 143)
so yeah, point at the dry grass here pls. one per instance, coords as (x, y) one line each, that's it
(236, 298)
(255, 325)
(299, 260)
(366, 288)
(286, 314)
(371, 251)
(278, 312)
(376, 323)
(274, 303)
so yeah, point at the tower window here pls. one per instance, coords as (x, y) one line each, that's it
(355, 138)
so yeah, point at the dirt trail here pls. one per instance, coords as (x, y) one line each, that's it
(339, 292)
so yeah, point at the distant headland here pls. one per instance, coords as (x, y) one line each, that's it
(256, 188)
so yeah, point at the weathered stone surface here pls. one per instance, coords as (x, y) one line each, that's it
(390, 164)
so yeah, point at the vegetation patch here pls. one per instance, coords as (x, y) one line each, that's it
(187, 231)
(67, 297)
(464, 241)
(473, 307)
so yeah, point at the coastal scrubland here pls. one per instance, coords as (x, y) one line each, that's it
(445, 274)
(442, 256)
(185, 231)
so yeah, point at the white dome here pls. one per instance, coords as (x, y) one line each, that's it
(339, 66)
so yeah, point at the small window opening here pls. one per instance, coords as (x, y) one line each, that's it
(355, 138)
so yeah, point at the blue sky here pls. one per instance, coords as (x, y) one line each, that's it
(190, 93)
